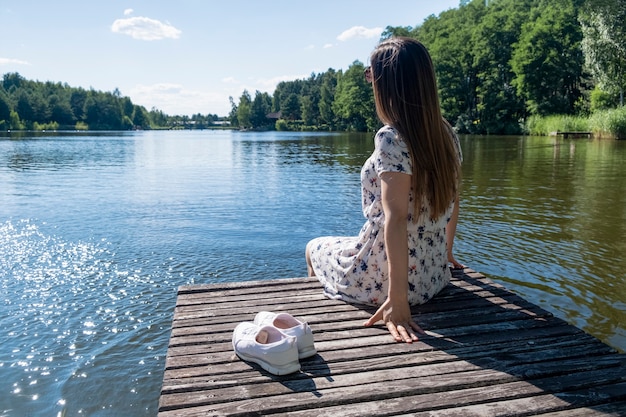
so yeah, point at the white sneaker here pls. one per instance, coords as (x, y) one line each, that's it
(291, 326)
(267, 346)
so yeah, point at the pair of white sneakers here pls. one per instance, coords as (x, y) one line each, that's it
(275, 341)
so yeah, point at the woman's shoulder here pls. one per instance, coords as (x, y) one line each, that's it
(391, 152)
(386, 131)
(388, 136)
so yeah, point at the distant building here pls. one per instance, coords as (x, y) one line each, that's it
(275, 116)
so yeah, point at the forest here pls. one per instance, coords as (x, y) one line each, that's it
(36, 105)
(503, 67)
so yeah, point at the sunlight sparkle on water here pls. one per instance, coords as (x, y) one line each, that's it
(96, 233)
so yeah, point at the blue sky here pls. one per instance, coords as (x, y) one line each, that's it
(189, 56)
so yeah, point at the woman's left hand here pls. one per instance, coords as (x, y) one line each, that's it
(397, 318)
(454, 263)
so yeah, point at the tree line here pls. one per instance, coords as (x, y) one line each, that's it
(498, 63)
(36, 105)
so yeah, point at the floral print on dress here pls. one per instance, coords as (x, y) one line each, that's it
(354, 269)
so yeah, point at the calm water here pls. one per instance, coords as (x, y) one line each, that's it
(98, 231)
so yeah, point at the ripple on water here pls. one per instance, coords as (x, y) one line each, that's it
(70, 316)
(540, 253)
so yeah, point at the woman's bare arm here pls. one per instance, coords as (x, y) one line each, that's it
(395, 311)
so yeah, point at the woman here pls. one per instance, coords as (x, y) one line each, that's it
(410, 198)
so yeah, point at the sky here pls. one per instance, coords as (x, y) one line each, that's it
(186, 57)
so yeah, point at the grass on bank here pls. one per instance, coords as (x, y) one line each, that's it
(609, 123)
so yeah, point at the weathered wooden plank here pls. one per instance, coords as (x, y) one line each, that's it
(261, 290)
(527, 365)
(438, 364)
(412, 394)
(486, 352)
(614, 409)
(499, 310)
(376, 357)
(531, 404)
(338, 311)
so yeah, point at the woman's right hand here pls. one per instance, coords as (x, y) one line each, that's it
(397, 318)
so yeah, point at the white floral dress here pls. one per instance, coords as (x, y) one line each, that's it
(354, 269)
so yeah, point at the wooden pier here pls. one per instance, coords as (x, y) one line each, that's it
(572, 134)
(488, 352)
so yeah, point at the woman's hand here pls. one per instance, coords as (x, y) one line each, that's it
(453, 262)
(397, 318)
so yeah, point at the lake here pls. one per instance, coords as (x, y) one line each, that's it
(97, 231)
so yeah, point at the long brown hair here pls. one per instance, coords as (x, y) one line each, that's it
(405, 92)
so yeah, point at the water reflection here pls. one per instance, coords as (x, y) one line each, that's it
(546, 215)
(97, 232)
(60, 151)
(341, 150)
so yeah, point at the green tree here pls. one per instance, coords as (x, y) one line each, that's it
(5, 108)
(499, 109)
(601, 100)
(12, 80)
(232, 116)
(391, 31)
(41, 111)
(50, 104)
(127, 106)
(548, 60)
(287, 99)
(141, 117)
(450, 41)
(354, 100)
(310, 99)
(127, 123)
(259, 109)
(290, 107)
(31, 107)
(327, 97)
(15, 122)
(60, 111)
(604, 43)
(103, 111)
(309, 110)
(244, 110)
(77, 102)
(24, 107)
(158, 118)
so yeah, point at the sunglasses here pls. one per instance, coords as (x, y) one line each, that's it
(368, 74)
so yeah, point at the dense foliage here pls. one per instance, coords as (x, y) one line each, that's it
(498, 63)
(36, 105)
(334, 100)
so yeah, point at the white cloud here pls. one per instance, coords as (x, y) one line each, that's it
(229, 80)
(128, 11)
(328, 45)
(359, 32)
(11, 61)
(175, 99)
(144, 28)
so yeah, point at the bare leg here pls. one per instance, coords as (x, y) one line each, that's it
(309, 266)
